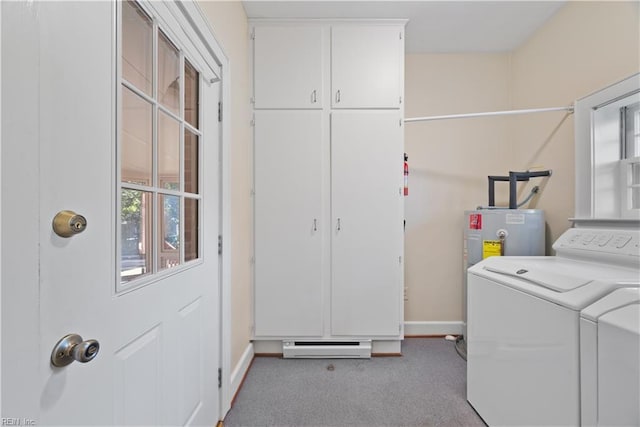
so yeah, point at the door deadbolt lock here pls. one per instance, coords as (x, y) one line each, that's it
(72, 348)
(68, 223)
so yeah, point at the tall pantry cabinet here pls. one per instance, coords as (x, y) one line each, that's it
(328, 164)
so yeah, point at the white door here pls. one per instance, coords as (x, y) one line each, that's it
(366, 207)
(366, 66)
(288, 66)
(289, 225)
(155, 316)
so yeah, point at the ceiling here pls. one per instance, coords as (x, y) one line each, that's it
(434, 26)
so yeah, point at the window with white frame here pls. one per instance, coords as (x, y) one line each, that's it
(158, 150)
(630, 163)
(607, 138)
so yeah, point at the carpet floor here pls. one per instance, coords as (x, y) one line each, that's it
(424, 387)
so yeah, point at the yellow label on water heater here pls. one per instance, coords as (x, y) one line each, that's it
(490, 248)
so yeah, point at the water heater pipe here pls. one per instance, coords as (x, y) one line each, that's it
(513, 179)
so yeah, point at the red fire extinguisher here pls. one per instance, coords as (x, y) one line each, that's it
(406, 175)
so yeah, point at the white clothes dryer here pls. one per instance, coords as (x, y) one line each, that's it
(610, 360)
(523, 344)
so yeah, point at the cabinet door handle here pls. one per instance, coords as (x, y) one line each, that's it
(314, 97)
(315, 224)
(338, 96)
(338, 226)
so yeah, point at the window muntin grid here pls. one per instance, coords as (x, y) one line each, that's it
(159, 151)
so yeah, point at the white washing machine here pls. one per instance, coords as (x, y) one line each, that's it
(610, 360)
(523, 345)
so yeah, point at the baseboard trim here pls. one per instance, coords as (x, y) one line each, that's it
(264, 347)
(386, 347)
(426, 328)
(240, 372)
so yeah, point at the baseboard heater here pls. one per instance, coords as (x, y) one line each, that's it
(326, 349)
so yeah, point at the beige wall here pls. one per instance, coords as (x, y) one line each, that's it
(229, 23)
(449, 163)
(584, 47)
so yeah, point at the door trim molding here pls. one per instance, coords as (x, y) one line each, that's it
(207, 35)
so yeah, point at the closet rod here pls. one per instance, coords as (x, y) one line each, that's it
(568, 109)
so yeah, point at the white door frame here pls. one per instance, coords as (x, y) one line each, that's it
(19, 325)
(201, 22)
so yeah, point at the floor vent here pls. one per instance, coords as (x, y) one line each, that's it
(326, 349)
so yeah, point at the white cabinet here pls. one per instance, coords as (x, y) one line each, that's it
(367, 235)
(328, 180)
(366, 66)
(288, 223)
(288, 66)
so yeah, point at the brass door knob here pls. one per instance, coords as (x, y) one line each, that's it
(68, 223)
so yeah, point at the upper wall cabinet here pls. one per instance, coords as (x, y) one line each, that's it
(366, 66)
(288, 66)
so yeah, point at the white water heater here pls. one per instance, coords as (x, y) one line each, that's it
(499, 232)
(502, 232)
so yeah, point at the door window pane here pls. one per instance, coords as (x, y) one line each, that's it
(135, 219)
(169, 231)
(158, 150)
(137, 139)
(137, 43)
(190, 162)
(168, 152)
(191, 92)
(190, 229)
(168, 74)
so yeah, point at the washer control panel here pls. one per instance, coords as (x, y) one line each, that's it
(596, 243)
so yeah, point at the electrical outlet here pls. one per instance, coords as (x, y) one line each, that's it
(406, 293)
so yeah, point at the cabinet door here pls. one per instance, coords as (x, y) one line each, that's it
(288, 243)
(366, 66)
(288, 66)
(367, 235)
